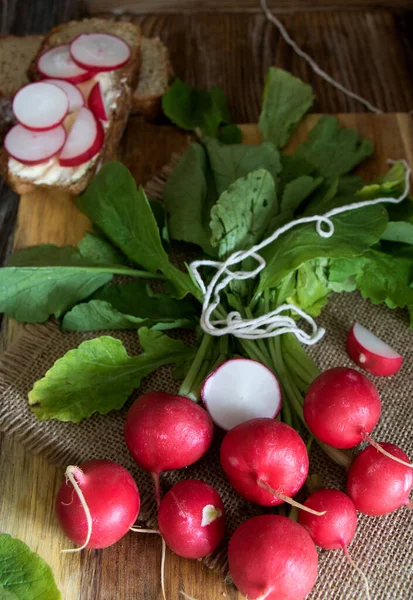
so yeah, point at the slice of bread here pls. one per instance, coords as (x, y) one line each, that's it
(124, 79)
(156, 74)
(16, 54)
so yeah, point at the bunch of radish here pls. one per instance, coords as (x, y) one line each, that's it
(53, 119)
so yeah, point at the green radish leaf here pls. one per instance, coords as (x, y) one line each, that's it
(24, 575)
(297, 190)
(311, 286)
(230, 134)
(99, 376)
(398, 231)
(93, 247)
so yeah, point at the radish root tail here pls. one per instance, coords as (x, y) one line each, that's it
(186, 596)
(70, 474)
(140, 530)
(156, 483)
(289, 500)
(163, 569)
(359, 571)
(377, 446)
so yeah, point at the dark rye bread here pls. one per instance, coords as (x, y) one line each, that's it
(127, 77)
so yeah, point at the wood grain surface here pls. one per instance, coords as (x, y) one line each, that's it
(130, 569)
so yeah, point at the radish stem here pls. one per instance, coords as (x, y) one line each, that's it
(156, 483)
(289, 500)
(189, 380)
(71, 473)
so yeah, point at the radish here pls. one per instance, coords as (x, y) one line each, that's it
(75, 96)
(370, 353)
(191, 519)
(84, 140)
(272, 558)
(34, 147)
(164, 432)
(99, 51)
(40, 106)
(336, 528)
(96, 103)
(378, 485)
(265, 461)
(97, 504)
(58, 64)
(239, 390)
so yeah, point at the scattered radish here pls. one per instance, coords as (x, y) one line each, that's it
(34, 147)
(99, 51)
(75, 96)
(191, 519)
(96, 103)
(377, 484)
(164, 432)
(272, 558)
(40, 106)
(97, 504)
(240, 390)
(58, 64)
(84, 141)
(370, 353)
(336, 528)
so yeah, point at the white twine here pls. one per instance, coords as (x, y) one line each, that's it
(273, 323)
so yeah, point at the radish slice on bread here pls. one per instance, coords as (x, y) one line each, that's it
(99, 51)
(58, 64)
(34, 147)
(96, 103)
(84, 140)
(75, 96)
(239, 390)
(40, 106)
(370, 353)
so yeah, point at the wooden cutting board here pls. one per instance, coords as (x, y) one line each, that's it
(130, 569)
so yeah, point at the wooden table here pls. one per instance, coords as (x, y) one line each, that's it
(367, 45)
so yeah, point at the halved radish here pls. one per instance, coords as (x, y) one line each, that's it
(96, 103)
(84, 140)
(34, 147)
(75, 96)
(240, 390)
(58, 64)
(99, 51)
(370, 353)
(40, 106)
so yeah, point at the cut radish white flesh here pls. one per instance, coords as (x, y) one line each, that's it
(34, 147)
(96, 103)
(371, 353)
(58, 64)
(40, 106)
(239, 390)
(99, 51)
(84, 140)
(75, 96)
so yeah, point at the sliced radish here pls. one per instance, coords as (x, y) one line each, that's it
(99, 51)
(84, 140)
(40, 106)
(75, 96)
(96, 103)
(58, 64)
(34, 147)
(239, 390)
(370, 352)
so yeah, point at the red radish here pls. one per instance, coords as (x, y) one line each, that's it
(240, 390)
(84, 140)
(191, 519)
(58, 64)
(336, 528)
(370, 353)
(96, 103)
(34, 147)
(40, 106)
(97, 504)
(164, 432)
(377, 484)
(272, 558)
(99, 51)
(75, 96)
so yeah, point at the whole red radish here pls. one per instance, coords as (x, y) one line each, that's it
(370, 353)
(191, 519)
(97, 504)
(272, 558)
(377, 484)
(164, 432)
